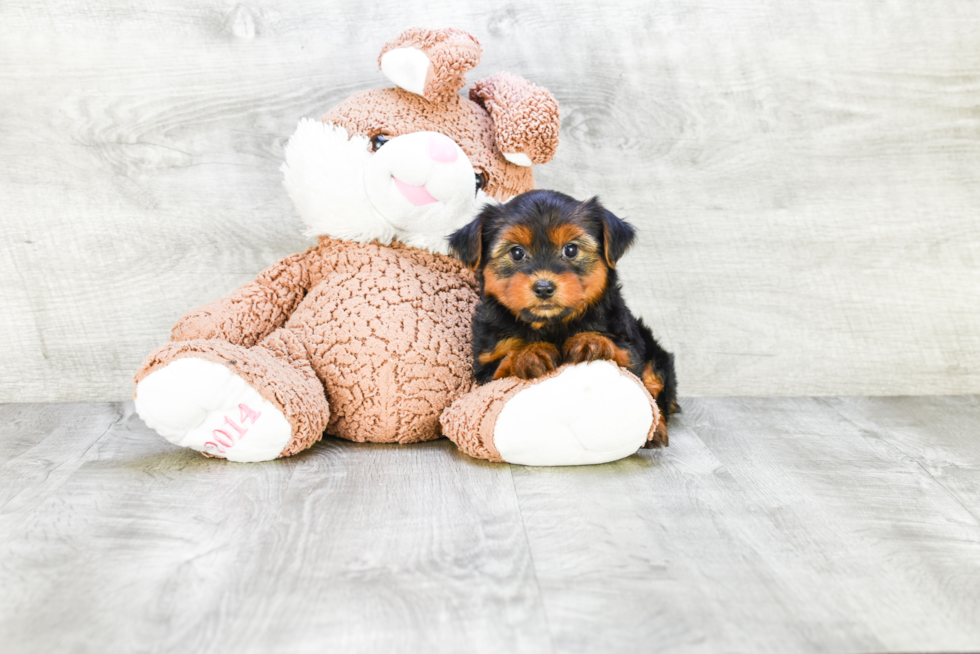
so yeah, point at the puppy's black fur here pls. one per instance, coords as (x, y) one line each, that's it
(550, 294)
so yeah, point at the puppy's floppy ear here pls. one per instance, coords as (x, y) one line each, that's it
(617, 234)
(467, 243)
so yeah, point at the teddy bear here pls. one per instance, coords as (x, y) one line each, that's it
(366, 335)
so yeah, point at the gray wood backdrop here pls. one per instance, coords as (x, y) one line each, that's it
(804, 174)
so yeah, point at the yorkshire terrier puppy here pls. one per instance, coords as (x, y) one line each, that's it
(546, 264)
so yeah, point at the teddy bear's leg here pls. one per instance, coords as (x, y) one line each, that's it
(580, 414)
(229, 401)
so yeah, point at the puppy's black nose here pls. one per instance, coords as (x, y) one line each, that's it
(544, 289)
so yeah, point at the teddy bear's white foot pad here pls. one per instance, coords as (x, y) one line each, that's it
(205, 406)
(591, 413)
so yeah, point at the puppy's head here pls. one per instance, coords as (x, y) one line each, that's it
(543, 255)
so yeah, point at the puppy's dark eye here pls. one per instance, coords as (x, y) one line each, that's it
(517, 253)
(378, 141)
(570, 251)
(481, 181)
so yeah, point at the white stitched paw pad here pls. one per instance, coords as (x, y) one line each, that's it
(205, 406)
(588, 414)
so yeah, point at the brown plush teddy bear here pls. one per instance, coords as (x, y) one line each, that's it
(366, 335)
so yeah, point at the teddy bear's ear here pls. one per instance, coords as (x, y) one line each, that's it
(430, 63)
(525, 117)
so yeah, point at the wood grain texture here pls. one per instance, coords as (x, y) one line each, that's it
(769, 525)
(114, 540)
(803, 175)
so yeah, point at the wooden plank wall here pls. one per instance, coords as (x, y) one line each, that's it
(803, 174)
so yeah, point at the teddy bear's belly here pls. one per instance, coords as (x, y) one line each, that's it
(392, 349)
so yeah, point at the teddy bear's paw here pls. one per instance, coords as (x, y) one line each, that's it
(589, 413)
(205, 406)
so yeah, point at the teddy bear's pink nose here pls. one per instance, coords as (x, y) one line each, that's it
(442, 149)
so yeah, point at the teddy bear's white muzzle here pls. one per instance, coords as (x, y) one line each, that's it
(422, 182)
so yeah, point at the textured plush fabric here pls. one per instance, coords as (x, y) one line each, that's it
(451, 52)
(394, 112)
(471, 420)
(250, 313)
(277, 369)
(525, 116)
(385, 329)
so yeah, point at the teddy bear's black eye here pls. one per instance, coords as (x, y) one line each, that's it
(570, 251)
(378, 141)
(481, 181)
(517, 253)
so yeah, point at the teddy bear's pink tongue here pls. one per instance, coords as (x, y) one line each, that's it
(417, 195)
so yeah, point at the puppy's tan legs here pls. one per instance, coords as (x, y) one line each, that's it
(593, 346)
(534, 360)
(522, 360)
(654, 384)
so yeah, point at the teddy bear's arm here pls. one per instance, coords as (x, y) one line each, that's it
(251, 312)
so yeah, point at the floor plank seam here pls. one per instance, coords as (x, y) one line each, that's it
(80, 459)
(952, 496)
(976, 518)
(530, 556)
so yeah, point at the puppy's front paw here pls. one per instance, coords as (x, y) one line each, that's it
(593, 346)
(529, 362)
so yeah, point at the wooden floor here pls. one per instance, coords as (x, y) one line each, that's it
(769, 525)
